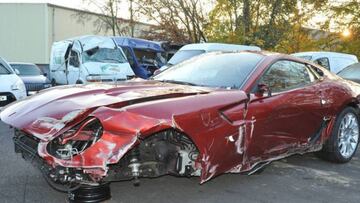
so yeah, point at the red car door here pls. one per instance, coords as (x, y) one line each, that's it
(290, 116)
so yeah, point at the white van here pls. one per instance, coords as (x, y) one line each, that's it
(12, 87)
(333, 61)
(191, 50)
(87, 59)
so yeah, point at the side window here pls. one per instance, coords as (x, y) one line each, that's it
(74, 59)
(3, 70)
(128, 55)
(286, 75)
(324, 62)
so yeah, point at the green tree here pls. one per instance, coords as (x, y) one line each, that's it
(348, 18)
(271, 24)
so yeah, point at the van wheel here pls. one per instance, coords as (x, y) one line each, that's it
(53, 82)
(79, 82)
(343, 142)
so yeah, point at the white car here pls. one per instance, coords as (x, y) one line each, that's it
(333, 61)
(191, 50)
(88, 59)
(12, 87)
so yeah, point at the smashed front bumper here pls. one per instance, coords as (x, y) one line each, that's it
(60, 178)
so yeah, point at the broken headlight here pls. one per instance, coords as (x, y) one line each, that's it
(76, 140)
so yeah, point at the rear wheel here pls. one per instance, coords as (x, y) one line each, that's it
(344, 139)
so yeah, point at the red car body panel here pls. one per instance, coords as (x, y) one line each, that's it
(234, 130)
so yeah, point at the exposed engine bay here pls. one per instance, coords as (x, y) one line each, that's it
(166, 152)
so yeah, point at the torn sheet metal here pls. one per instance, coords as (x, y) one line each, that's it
(232, 132)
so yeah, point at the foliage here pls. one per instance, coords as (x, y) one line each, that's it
(271, 24)
(348, 17)
(178, 20)
(275, 25)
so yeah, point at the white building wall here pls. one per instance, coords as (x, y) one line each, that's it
(23, 31)
(29, 30)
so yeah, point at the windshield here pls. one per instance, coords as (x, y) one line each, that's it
(227, 70)
(104, 55)
(3, 70)
(27, 69)
(183, 55)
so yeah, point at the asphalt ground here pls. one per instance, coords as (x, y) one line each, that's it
(295, 179)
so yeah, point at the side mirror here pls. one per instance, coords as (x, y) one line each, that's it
(262, 89)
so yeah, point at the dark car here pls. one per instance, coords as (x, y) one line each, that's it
(213, 114)
(144, 56)
(33, 78)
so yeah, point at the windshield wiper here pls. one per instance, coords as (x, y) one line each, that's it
(179, 82)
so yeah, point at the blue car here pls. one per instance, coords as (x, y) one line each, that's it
(144, 56)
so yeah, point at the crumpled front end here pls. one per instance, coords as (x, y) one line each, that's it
(99, 149)
(134, 134)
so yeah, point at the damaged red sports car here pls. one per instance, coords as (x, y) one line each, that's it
(216, 113)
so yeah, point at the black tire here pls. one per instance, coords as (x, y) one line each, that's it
(331, 148)
(79, 82)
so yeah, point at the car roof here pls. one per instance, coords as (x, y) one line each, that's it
(328, 53)
(218, 47)
(138, 43)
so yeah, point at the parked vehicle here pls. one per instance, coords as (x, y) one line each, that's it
(144, 56)
(332, 61)
(33, 78)
(12, 87)
(213, 114)
(351, 72)
(88, 59)
(191, 50)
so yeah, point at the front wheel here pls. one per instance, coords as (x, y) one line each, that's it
(344, 139)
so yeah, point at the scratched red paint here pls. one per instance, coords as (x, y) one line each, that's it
(233, 129)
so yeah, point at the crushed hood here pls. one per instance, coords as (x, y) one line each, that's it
(48, 112)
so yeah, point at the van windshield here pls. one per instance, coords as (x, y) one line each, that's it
(183, 55)
(103, 55)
